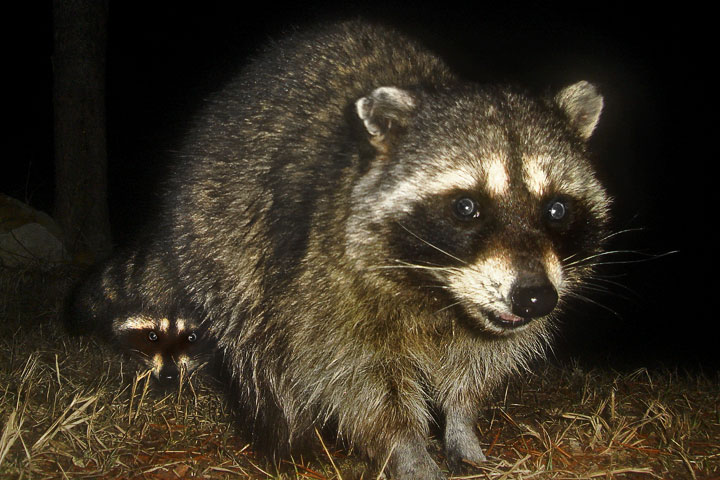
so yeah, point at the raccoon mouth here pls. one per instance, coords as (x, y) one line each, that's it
(507, 320)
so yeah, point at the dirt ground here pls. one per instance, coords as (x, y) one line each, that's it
(72, 408)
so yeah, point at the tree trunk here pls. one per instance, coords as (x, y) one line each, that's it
(81, 206)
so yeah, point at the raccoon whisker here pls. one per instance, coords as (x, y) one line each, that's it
(408, 266)
(437, 268)
(588, 258)
(431, 245)
(140, 352)
(446, 308)
(568, 258)
(593, 288)
(610, 282)
(647, 257)
(429, 264)
(626, 262)
(597, 255)
(620, 232)
(412, 266)
(444, 287)
(607, 279)
(608, 276)
(589, 300)
(606, 291)
(589, 281)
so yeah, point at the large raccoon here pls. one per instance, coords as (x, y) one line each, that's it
(371, 239)
(129, 302)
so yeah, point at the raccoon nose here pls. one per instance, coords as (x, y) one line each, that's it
(167, 375)
(532, 300)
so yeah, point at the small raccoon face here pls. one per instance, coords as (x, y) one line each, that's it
(165, 347)
(495, 209)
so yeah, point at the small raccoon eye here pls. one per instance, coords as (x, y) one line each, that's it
(192, 337)
(556, 211)
(152, 336)
(466, 208)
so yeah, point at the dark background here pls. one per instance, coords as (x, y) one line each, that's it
(652, 144)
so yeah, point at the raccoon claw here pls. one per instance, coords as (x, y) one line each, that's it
(459, 461)
(413, 462)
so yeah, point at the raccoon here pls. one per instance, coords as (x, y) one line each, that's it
(168, 347)
(129, 303)
(371, 239)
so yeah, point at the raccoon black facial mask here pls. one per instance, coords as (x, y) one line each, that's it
(165, 346)
(370, 239)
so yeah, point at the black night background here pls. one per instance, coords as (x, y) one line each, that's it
(652, 143)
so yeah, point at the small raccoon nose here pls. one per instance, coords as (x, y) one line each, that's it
(532, 301)
(167, 375)
(167, 379)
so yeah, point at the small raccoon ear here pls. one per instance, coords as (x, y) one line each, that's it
(384, 108)
(582, 103)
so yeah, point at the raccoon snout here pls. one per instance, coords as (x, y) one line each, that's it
(167, 375)
(533, 297)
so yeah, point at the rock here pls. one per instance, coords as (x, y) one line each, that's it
(28, 237)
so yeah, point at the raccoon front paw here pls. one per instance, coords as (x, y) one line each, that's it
(462, 446)
(413, 462)
(460, 457)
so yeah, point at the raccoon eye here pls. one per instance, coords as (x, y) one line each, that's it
(466, 208)
(152, 336)
(192, 337)
(556, 211)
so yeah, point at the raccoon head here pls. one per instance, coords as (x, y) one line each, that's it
(164, 346)
(483, 197)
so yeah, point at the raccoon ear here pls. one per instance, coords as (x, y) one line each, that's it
(384, 108)
(582, 103)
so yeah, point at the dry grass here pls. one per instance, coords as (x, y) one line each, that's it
(69, 408)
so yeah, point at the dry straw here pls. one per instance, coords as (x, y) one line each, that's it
(69, 409)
